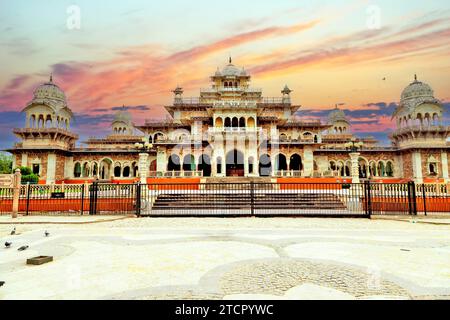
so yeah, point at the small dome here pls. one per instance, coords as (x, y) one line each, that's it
(50, 91)
(218, 73)
(243, 73)
(416, 93)
(417, 89)
(123, 116)
(337, 115)
(231, 70)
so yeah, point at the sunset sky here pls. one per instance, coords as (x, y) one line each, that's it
(135, 52)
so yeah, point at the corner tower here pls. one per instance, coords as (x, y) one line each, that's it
(46, 138)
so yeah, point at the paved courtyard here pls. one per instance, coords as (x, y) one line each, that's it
(226, 259)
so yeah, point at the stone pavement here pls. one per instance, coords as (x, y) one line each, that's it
(229, 259)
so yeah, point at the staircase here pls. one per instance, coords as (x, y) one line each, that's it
(229, 201)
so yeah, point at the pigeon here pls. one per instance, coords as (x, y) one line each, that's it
(384, 79)
(23, 248)
(8, 244)
(46, 233)
(13, 232)
(2, 283)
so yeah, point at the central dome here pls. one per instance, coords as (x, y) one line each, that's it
(231, 70)
(336, 115)
(123, 116)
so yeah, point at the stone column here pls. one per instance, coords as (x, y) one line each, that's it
(17, 180)
(143, 167)
(161, 160)
(444, 163)
(417, 166)
(354, 156)
(51, 168)
(308, 161)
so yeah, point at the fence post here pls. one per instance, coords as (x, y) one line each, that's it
(424, 195)
(138, 199)
(369, 199)
(252, 198)
(28, 198)
(82, 199)
(93, 199)
(412, 198)
(17, 183)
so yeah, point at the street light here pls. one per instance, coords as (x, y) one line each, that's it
(353, 145)
(144, 146)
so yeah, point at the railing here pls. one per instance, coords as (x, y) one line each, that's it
(275, 100)
(230, 89)
(235, 130)
(180, 198)
(288, 173)
(175, 174)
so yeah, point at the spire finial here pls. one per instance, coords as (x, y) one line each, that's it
(51, 77)
(230, 60)
(415, 77)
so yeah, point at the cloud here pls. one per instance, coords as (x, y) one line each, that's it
(357, 48)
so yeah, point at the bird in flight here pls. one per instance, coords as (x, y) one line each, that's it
(23, 248)
(46, 233)
(8, 244)
(13, 232)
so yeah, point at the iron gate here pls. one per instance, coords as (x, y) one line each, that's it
(253, 199)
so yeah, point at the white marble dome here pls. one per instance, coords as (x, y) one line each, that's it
(417, 89)
(123, 116)
(231, 71)
(336, 115)
(49, 91)
(415, 94)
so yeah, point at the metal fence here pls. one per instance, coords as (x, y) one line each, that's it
(259, 199)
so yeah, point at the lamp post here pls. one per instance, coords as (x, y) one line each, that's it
(353, 146)
(144, 147)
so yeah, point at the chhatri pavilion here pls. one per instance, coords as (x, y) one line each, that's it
(232, 130)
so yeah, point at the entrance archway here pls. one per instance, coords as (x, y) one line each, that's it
(105, 169)
(265, 166)
(235, 164)
(204, 164)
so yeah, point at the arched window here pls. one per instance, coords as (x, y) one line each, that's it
(117, 171)
(189, 163)
(242, 122)
(235, 122)
(86, 170)
(95, 170)
(174, 163)
(227, 122)
(389, 169)
(126, 171)
(77, 170)
(295, 163)
(251, 122)
(219, 122)
(381, 169)
(33, 121)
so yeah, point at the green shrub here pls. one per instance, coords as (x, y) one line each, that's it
(28, 176)
(31, 178)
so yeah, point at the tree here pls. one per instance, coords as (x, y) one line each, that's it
(5, 164)
(28, 175)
